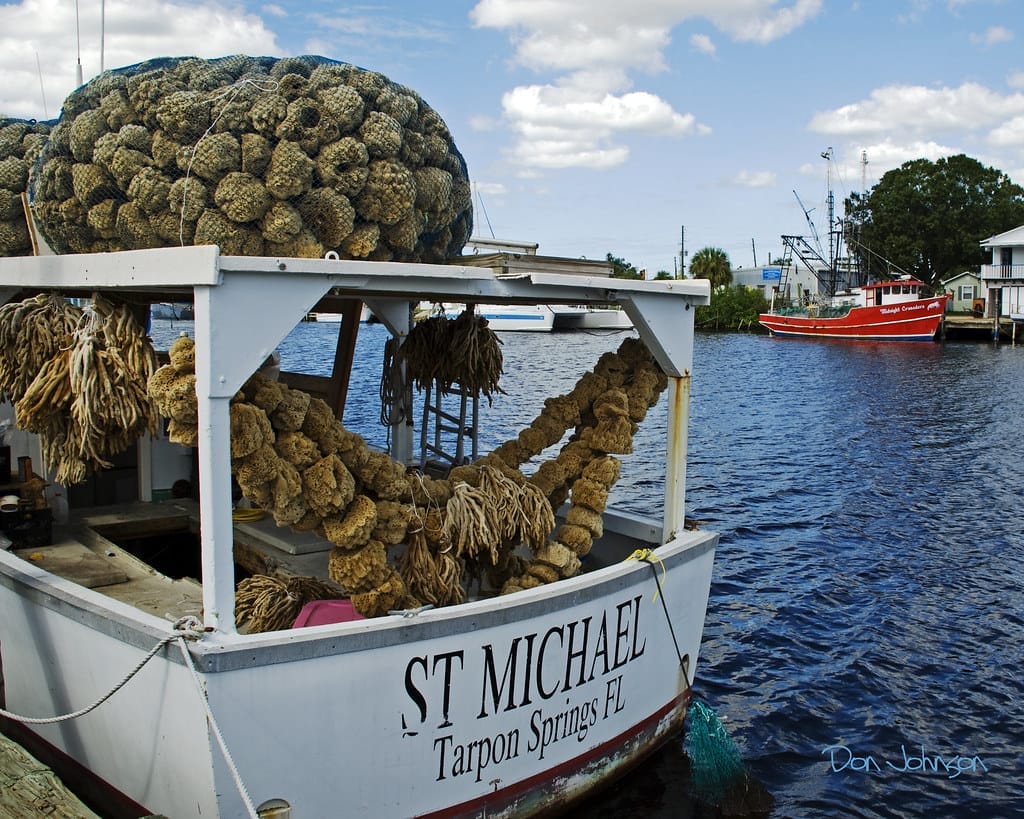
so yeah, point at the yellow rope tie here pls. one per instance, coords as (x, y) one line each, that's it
(247, 515)
(648, 556)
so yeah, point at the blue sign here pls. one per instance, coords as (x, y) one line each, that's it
(771, 274)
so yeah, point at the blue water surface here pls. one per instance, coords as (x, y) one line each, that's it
(867, 588)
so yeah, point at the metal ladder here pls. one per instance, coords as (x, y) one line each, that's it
(449, 434)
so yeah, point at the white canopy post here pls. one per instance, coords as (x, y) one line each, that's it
(235, 332)
(675, 461)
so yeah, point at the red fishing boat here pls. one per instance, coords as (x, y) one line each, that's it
(845, 306)
(886, 311)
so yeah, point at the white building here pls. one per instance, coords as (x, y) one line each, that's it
(797, 279)
(1003, 279)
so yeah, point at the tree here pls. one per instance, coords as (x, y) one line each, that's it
(662, 274)
(732, 308)
(621, 269)
(928, 218)
(712, 263)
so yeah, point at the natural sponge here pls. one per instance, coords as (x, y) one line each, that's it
(20, 143)
(298, 156)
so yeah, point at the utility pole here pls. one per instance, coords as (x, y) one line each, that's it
(682, 251)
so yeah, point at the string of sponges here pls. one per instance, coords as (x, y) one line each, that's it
(293, 458)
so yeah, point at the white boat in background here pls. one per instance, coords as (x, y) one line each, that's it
(518, 318)
(509, 704)
(586, 317)
(515, 258)
(336, 318)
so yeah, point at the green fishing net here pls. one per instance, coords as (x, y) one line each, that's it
(718, 776)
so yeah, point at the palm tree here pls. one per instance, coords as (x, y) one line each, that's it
(712, 263)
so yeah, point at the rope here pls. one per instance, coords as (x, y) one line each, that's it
(646, 556)
(185, 629)
(247, 515)
(250, 808)
(391, 387)
(650, 558)
(182, 633)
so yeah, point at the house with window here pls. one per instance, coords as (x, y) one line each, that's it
(1003, 279)
(966, 288)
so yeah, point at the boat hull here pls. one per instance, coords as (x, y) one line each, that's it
(591, 318)
(517, 319)
(501, 707)
(336, 318)
(908, 321)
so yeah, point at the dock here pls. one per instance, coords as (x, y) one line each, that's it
(959, 326)
(28, 789)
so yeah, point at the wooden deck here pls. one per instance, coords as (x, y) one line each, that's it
(28, 789)
(86, 551)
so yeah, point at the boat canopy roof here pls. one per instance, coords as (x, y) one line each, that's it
(893, 282)
(251, 286)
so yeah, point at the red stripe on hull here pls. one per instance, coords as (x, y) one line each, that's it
(543, 794)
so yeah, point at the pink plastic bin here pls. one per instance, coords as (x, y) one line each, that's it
(320, 612)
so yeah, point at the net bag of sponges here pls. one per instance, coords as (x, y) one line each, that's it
(297, 157)
(21, 140)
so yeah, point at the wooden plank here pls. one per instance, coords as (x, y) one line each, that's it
(334, 388)
(160, 596)
(75, 562)
(29, 789)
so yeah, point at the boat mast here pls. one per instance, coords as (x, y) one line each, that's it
(833, 245)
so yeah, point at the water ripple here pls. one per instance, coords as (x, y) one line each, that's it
(866, 592)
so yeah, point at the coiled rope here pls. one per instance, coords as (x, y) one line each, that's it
(185, 629)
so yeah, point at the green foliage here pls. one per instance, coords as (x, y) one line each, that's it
(621, 269)
(712, 263)
(928, 218)
(732, 308)
(662, 274)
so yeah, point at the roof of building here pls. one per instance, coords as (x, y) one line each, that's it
(1014, 236)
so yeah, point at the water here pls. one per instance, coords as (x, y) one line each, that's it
(866, 592)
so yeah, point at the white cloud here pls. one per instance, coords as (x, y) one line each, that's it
(994, 35)
(1016, 79)
(274, 10)
(579, 116)
(754, 179)
(916, 110)
(1009, 135)
(573, 125)
(359, 23)
(134, 30)
(496, 189)
(883, 155)
(703, 44)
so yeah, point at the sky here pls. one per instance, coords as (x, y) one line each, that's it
(640, 128)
